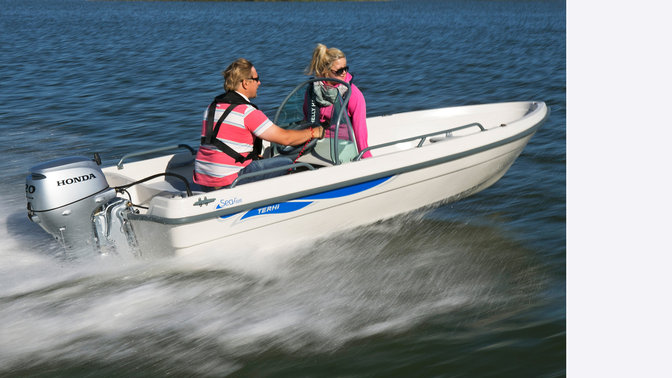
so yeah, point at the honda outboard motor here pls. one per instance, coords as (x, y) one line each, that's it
(62, 197)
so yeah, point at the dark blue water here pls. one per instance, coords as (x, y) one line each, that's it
(474, 288)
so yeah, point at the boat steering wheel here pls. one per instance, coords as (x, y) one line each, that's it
(306, 147)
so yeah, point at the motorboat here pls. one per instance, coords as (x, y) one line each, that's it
(147, 205)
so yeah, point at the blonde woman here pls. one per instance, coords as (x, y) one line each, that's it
(332, 63)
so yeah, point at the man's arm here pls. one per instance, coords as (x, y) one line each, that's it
(279, 135)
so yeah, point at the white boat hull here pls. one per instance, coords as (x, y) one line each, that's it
(395, 196)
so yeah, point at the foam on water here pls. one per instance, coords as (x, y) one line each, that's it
(221, 306)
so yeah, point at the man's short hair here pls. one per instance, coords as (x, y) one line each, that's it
(236, 72)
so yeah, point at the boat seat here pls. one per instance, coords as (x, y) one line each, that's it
(321, 154)
(169, 186)
(315, 160)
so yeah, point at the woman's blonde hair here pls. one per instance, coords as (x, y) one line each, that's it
(236, 72)
(323, 58)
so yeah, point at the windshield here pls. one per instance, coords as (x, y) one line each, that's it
(322, 102)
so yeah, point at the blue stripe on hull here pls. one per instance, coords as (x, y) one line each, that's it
(347, 191)
(278, 208)
(300, 203)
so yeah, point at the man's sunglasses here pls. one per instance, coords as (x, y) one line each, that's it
(341, 71)
(254, 78)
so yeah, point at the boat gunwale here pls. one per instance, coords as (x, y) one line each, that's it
(342, 184)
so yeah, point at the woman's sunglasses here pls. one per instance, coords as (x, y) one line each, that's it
(340, 71)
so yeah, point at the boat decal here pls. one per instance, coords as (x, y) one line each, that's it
(347, 191)
(223, 203)
(203, 201)
(278, 208)
(228, 202)
(300, 203)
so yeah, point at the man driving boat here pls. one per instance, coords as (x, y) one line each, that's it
(232, 131)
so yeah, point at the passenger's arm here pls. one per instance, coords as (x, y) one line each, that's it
(357, 110)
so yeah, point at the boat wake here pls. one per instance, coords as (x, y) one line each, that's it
(207, 314)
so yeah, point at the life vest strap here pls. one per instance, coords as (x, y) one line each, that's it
(234, 99)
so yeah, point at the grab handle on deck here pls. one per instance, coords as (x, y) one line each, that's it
(120, 164)
(421, 137)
